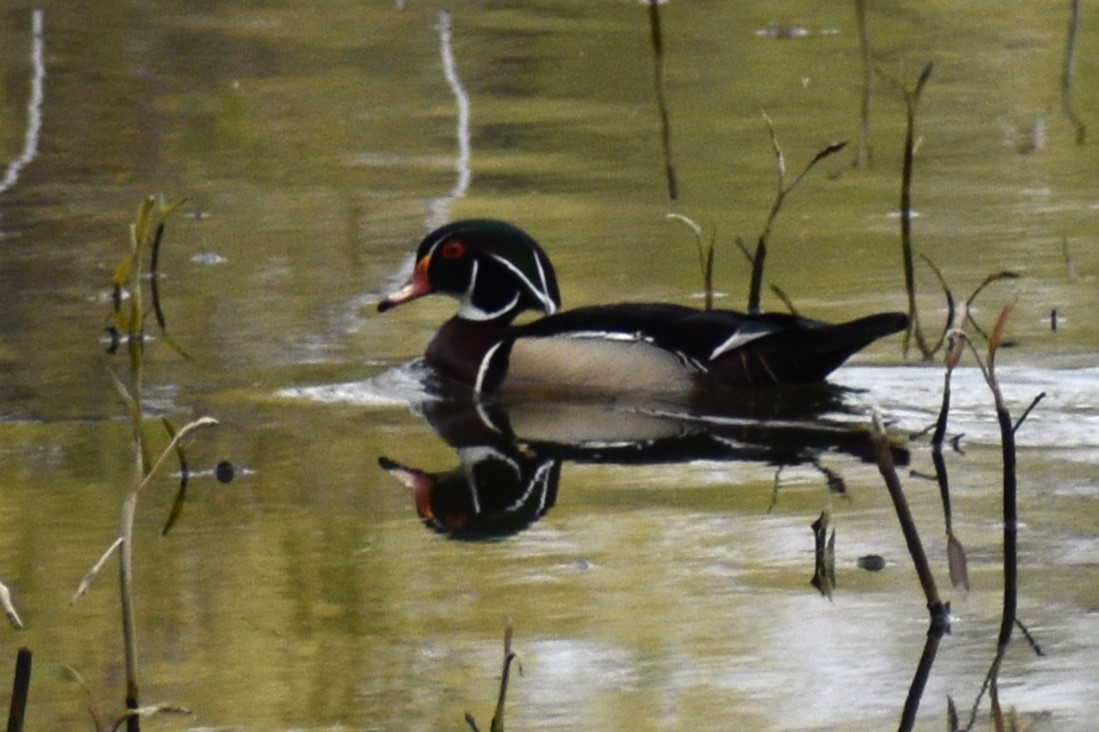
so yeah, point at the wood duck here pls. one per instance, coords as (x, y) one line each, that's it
(496, 271)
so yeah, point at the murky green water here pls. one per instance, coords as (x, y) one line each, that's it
(316, 144)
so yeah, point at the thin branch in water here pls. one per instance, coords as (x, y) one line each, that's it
(1029, 638)
(950, 306)
(863, 154)
(781, 295)
(1068, 74)
(20, 688)
(705, 256)
(92, 573)
(957, 563)
(1027, 411)
(1066, 256)
(1008, 618)
(908, 525)
(939, 611)
(995, 277)
(93, 710)
(656, 33)
(911, 100)
(498, 716)
(744, 249)
(782, 190)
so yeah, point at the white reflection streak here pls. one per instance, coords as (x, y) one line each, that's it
(440, 207)
(34, 106)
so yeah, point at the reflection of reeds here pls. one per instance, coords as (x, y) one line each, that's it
(1068, 75)
(657, 35)
(19, 690)
(505, 675)
(1008, 617)
(911, 100)
(863, 155)
(939, 611)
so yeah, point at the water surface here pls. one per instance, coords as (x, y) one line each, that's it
(316, 145)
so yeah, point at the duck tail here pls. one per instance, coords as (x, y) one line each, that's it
(807, 354)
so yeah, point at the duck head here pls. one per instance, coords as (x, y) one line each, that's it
(493, 269)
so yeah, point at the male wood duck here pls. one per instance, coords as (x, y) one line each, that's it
(496, 271)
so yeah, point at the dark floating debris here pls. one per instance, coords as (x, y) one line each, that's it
(225, 472)
(871, 562)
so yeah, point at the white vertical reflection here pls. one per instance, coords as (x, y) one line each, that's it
(34, 106)
(439, 208)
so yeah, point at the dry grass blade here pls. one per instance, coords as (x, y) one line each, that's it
(997, 335)
(181, 436)
(9, 606)
(824, 551)
(705, 256)
(86, 582)
(151, 711)
(959, 572)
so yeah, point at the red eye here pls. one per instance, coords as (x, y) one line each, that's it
(453, 249)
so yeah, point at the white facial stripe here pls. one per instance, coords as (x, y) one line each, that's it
(469, 311)
(538, 291)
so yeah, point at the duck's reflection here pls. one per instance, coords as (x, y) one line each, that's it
(510, 456)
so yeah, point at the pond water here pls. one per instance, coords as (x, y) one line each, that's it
(316, 144)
